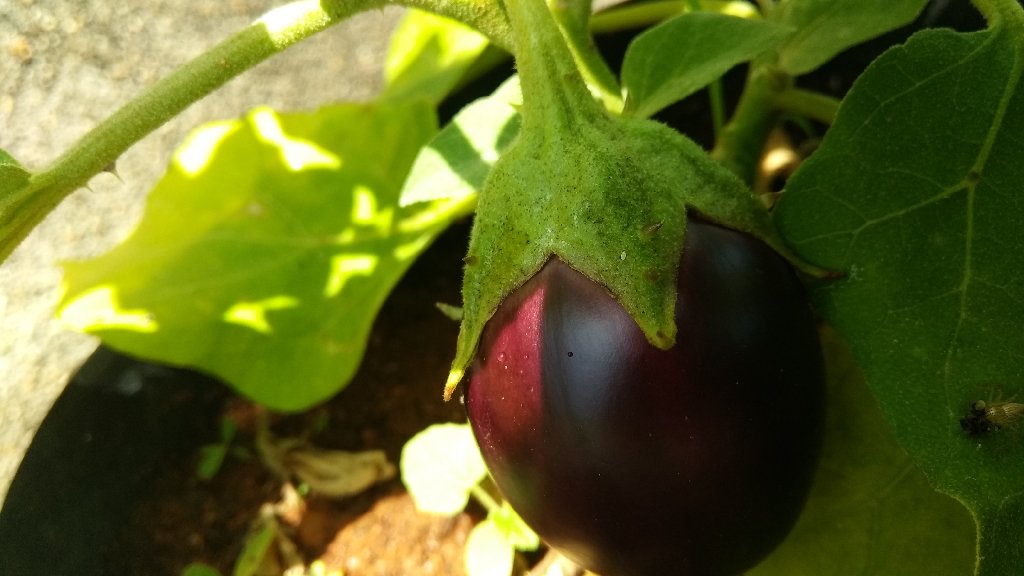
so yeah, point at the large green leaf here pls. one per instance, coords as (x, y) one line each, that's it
(871, 510)
(827, 27)
(267, 249)
(916, 194)
(676, 58)
(428, 57)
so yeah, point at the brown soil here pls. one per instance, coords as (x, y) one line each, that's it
(397, 393)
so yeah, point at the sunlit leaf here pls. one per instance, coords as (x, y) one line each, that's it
(440, 466)
(456, 162)
(915, 192)
(428, 57)
(676, 58)
(871, 510)
(266, 250)
(488, 552)
(825, 28)
(517, 532)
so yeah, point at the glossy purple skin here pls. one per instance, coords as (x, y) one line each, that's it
(634, 461)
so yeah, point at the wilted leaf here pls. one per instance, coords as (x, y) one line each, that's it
(916, 194)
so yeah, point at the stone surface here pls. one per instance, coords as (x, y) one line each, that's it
(67, 64)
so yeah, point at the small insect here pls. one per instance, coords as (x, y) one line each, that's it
(989, 416)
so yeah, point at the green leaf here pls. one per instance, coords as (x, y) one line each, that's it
(871, 510)
(428, 57)
(488, 552)
(825, 28)
(915, 193)
(266, 250)
(199, 569)
(12, 176)
(516, 531)
(456, 162)
(440, 467)
(257, 545)
(676, 58)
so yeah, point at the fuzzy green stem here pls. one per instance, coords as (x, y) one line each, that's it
(647, 14)
(807, 103)
(997, 12)
(573, 17)
(99, 149)
(554, 93)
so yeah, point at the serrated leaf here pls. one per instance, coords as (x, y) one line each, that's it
(440, 466)
(871, 510)
(456, 162)
(676, 58)
(488, 553)
(266, 250)
(429, 55)
(915, 193)
(825, 28)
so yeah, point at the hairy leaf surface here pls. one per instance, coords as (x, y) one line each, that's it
(916, 194)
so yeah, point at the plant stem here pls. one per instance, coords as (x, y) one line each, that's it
(646, 14)
(998, 11)
(813, 105)
(742, 140)
(554, 93)
(485, 499)
(99, 149)
(573, 17)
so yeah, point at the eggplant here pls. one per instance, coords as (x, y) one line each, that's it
(637, 461)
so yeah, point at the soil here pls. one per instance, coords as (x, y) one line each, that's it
(396, 393)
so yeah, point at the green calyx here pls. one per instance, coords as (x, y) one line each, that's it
(606, 195)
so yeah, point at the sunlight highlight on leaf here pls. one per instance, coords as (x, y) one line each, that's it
(298, 154)
(263, 258)
(199, 147)
(254, 314)
(344, 267)
(409, 250)
(428, 57)
(100, 307)
(365, 210)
